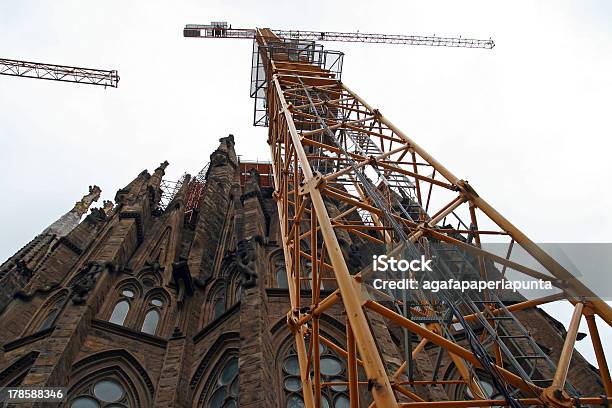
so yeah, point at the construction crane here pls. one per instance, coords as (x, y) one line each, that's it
(64, 73)
(222, 30)
(343, 172)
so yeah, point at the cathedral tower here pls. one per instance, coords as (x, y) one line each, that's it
(18, 269)
(185, 304)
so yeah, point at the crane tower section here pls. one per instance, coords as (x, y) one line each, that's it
(341, 169)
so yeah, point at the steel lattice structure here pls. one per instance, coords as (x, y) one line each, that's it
(62, 73)
(431, 41)
(329, 146)
(221, 30)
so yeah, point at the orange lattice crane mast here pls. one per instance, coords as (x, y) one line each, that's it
(329, 146)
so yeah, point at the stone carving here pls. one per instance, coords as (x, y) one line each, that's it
(245, 259)
(218, 158)
(23, 270)
(108, 207)
(162, 166)
(84, 282)
(221, 156)
(42, 288)
(229, 140)
(83, 205)
(154, 267)
(182, 277)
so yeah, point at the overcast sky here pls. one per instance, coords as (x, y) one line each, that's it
(528, 124)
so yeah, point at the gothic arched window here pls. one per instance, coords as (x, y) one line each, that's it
(109, 379)
(149, 282)
(216, 299)
(120, 312)
(48, 313)
(123, 303)
(281, 278)
(279, 271)
(150, 322)
(52, 313)
(139, 305)
(215, 382)
(218, 305)
(102, 393)
(234, 287)
(332, 370)
(224, 388)
(154, 306)
(50, 318)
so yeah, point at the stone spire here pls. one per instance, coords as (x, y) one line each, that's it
(162, 167)
(159, 172)
(71, 219)
(81, 207)
(154, 184)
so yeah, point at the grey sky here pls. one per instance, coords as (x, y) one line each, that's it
(528, 123)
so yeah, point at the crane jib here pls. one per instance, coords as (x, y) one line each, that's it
(222, 30)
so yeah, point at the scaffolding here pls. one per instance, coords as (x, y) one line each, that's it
(263, 169)
(193, 195)
(308, 53)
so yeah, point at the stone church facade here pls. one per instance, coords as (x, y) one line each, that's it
(139, 306)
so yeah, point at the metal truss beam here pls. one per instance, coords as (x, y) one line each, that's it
(211, 31)
(61, 73)
(431, 41)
